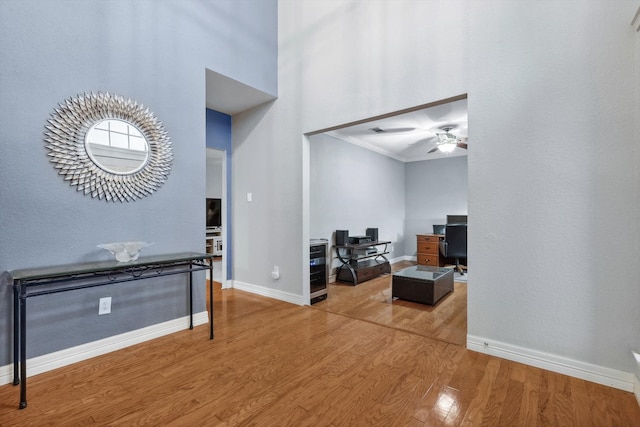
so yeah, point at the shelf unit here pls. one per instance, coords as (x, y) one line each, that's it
(213, 241)
(361, 262)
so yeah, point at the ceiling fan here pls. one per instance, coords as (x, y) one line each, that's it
(447, 142)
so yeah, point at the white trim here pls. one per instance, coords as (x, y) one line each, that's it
(268, 292)
(68, 356)
(636, 388)
(551, 362)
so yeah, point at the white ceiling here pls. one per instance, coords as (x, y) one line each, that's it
(408, 136)
(230, 96)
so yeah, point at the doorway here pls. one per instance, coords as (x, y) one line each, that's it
(216, 209)
(376, 162)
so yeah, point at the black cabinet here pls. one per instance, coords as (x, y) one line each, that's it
(318, 270)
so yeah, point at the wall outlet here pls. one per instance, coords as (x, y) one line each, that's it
(275, 274)
(104, 306)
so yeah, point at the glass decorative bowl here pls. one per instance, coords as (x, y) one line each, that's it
(125, 251)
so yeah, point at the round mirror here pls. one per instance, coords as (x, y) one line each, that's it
(108, 146)
(117, 146)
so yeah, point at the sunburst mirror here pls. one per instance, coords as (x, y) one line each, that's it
(108, 146)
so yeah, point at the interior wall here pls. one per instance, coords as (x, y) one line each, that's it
(214, 178)
(406, 198)
(155, 53)
(337, 62)
(218, 135)
(549, 194)
(434, 189)
(354, 189)
(553, 184)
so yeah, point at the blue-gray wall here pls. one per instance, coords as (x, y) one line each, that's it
(352, 189)
(155, 52)
(434, 189)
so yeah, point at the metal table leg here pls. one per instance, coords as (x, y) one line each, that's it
(16, 331)
(211, 300)
(23, 349)
(190, 296)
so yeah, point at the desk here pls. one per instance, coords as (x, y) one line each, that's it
(31, 282)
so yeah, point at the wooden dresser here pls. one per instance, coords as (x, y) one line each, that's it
(429, 250)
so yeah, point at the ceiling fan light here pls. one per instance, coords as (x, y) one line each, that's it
(447, 147)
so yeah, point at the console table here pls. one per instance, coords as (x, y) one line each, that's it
(32, 282)
(361, 261)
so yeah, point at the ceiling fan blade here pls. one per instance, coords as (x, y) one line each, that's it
(433, 150)
(378, 129)
(462, 145)
(429, 139)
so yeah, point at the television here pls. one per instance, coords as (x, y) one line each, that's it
(214, 213)
(456, 219)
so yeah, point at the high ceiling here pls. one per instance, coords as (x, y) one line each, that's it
(409, 136)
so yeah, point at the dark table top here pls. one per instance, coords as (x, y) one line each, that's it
(423, 272)
(111, 265)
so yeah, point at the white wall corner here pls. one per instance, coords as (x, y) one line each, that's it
(68, 356)
(403, 258)
(554, 363)
(270, 293)
(636, 379)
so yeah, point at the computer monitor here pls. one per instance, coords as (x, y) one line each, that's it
(456, 219)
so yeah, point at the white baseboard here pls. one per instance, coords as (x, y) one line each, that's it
(636, 388)
(68, 356)
(551, 362)
(268, 292)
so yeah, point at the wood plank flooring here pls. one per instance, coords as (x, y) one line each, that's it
(371, 301)
(278, 364)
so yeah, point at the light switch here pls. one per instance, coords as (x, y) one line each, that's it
(249, 197)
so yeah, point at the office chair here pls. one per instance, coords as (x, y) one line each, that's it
(454, 244)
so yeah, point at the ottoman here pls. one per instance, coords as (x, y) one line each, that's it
(422, 283)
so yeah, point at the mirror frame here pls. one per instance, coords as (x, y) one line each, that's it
(65, 141)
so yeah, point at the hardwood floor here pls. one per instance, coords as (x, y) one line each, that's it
(371, 301)
(277, 364)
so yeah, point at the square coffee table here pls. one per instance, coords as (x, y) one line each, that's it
(421, 283)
